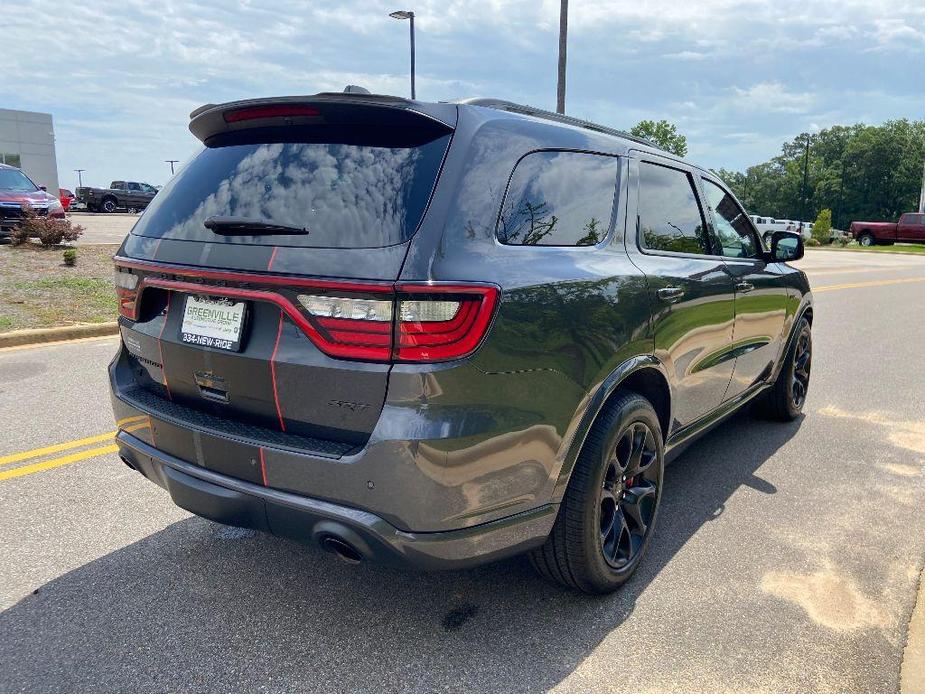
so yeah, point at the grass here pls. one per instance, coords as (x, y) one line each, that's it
(916, 248)
(37, 290)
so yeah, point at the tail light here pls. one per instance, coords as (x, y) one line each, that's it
(403, 322)
(418, 323)
(126, 283)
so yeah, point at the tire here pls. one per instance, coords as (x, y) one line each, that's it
(108, 205)
(784, 401)
(579, 553)
(867, 239)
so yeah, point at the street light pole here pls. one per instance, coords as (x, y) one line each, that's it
(80, 182)
(171, 162)
(563, 45)
(407, 14)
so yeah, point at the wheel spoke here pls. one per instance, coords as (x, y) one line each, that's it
(643, 450)
(637, 503)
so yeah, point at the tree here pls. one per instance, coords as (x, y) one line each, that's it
(822, 229)
(856, 171)
(663, 134)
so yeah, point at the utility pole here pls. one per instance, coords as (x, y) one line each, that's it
(171, 162)
(922, 194)
(563, 44)
(79, 179)
(805, 175)
(841, 193)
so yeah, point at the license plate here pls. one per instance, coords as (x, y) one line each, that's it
(215, 323)
(78, 206)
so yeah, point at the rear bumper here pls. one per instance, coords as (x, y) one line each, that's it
(236, 502)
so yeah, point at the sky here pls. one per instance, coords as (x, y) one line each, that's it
(738, 77)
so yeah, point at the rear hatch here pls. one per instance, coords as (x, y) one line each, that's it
(257, 291)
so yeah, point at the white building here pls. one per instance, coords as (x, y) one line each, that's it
(27, 140)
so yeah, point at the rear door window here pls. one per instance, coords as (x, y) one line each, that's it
(559, 199)
(351, 189)
(670, 218)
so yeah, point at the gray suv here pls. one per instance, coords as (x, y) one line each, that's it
(440, 334)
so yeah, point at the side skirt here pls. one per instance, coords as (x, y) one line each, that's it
(682, 438)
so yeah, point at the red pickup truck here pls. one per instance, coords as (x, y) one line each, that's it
(909, 229)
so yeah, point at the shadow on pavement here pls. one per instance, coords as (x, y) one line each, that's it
(199, 607)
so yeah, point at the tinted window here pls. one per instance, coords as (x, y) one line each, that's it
(559, 199)
(134, 186)
(669, 216)
(733, 231)
(347, 195)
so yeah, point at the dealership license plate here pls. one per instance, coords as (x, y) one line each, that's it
(215, 323)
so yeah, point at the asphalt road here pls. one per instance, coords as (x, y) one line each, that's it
(786, 556)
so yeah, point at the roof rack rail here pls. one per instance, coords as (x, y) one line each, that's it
(525, 110)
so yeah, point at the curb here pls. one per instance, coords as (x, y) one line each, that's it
(17, 338)
(912, 671)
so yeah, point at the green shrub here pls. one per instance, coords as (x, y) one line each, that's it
(813, 242)
(822, 229)
(70, 256)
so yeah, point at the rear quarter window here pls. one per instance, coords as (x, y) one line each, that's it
(350, 189)
(558, 199)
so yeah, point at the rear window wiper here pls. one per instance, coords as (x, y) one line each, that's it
(245, 226)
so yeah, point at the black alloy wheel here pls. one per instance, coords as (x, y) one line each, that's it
(802, 362)
(607, 517)
(629, 494)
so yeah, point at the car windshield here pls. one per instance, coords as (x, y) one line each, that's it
(14, 179)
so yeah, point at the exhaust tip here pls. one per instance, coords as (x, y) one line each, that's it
(341, 549)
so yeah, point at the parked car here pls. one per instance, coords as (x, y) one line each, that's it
(126, 195)
(909, 229)
(17, 191)
(64, 197)
(440, 334)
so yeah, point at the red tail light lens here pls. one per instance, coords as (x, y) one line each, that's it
(442, 322)
(273, 111)
(424, 323)
(126, 283)
(351, 327)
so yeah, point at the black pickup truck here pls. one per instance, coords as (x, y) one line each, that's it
(127, 195)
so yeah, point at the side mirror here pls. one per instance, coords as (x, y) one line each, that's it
(45, 188)
(786, 246)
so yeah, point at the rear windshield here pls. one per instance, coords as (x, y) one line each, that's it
(349, 189)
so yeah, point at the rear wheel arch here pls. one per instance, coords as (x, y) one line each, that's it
(643, 375)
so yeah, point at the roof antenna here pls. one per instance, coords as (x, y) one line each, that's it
(354, 89)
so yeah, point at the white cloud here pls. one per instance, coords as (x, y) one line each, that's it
(772, 96)
(120, 76)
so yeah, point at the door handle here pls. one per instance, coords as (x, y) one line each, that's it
(744, 287)
(670, 294)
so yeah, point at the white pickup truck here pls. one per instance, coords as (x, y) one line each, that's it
(768, 225)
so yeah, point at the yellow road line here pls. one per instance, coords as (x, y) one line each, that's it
(857, 285)
(57, 462)
(68, 445)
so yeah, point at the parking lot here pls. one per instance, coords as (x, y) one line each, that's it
(103, 228)
(787, 557)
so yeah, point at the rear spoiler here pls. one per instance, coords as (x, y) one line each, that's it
(320, 109)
